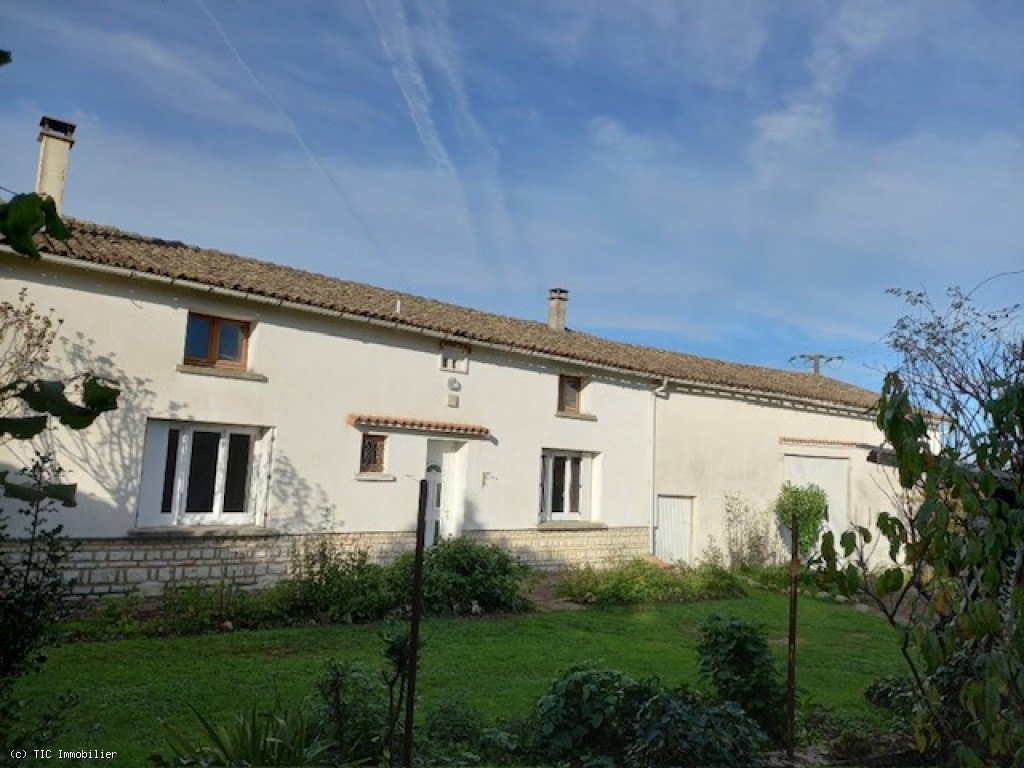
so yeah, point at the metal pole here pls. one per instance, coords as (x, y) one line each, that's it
(794, 574)
(414, 623)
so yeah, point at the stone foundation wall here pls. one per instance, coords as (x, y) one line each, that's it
(147, 563)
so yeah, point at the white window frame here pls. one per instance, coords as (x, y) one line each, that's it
(551, 462)
(158, 435)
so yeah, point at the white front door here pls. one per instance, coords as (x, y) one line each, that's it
(444, 490)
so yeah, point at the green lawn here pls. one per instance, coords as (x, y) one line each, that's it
(500, 664)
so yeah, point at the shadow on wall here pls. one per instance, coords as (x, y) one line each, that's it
(110, 450)
(298, 506)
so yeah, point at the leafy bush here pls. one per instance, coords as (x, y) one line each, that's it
(334, 584)
(751, 536)
(682, 728)
(462, 576)
(735, 659)
(810, 506)
(33, 589)
(641, 581)
(452, 726)
(280, 737)
(353, 710)
(588, 712)
(895, 693)
(599, 717)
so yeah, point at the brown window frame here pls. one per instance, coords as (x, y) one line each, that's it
(374, 463)
(563, 385)
(211, 360)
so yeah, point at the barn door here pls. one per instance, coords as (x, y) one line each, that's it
(832, 476)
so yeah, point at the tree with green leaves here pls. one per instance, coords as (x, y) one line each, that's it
(953, 415)
(808, 506)
(33, 586)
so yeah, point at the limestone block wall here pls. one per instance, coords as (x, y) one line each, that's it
(146, 564)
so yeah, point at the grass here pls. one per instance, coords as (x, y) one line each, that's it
(499, 664)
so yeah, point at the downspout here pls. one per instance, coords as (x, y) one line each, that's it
(661, 391)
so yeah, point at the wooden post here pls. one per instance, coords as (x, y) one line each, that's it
(414, 623)
(794, 576)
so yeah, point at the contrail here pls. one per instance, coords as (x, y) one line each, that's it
(328, 176)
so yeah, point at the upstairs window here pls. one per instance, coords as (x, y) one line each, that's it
(371, 454)
(570, 392)
(216, 341)
(454, 358)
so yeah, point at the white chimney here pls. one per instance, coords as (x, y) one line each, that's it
(55, 142)
(557, 300)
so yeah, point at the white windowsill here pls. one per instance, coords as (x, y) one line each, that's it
(222, 373)
(202, 530)
(577, 416)
(571, 525)
(374, 477)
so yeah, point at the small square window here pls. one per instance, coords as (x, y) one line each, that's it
(570, 389)
(454, 358)
(371, 454)
(216, 341)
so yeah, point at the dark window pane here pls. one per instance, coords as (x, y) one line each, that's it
(202, 474)
(170, 468)
(574, 484)
(236, 484)
(229, 342)
(558, 485)
(197, 338)
(371, 457)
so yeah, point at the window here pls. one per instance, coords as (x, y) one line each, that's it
(454, 358)
(565, 481)
(202, 474)
(371, 454)
(216, 341)
(570, 389)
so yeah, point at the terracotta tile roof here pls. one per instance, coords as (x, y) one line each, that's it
(417, 425)
(96, 244)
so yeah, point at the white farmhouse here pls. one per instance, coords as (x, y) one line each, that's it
(261, 404)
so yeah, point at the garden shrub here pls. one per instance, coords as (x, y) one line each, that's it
(599, 717)
(736, 661)
(682, 728)
(588, 712)
(463, 576)
(282, 736)
(353, 711)
(641, 581)
(451, 726)
(331, 583)
(751, 535)
(895, 693)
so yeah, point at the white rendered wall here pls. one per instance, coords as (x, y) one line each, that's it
(709, 448)
(318, 371)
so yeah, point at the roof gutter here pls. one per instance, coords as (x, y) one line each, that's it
(686, 385)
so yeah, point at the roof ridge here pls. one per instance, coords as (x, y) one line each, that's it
(110, 246)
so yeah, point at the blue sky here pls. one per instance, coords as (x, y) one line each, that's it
(739, 179)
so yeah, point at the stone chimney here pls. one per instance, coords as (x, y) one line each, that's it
(557, 300)
(55, 142)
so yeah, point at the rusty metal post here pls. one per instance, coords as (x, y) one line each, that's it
(794, 576)
(414, 624)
